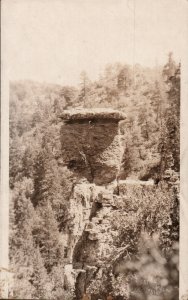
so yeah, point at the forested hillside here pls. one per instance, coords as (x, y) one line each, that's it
(41, 183)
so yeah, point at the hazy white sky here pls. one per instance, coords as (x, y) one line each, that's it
(54, 40)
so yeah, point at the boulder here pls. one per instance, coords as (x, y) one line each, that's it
(91, 144)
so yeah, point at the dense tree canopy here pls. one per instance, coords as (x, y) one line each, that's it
(41, 184)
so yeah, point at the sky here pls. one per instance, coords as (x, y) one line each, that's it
(54, 40)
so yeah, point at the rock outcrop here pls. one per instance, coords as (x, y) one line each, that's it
(91, 144)
(92, 151)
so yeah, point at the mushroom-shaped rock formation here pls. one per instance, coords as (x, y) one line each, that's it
(91, 144)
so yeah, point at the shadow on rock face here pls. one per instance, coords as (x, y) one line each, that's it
(91, 149)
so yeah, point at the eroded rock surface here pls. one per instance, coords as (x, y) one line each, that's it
(94, 114)
(91, 149)
(91, 144)
(93, 232)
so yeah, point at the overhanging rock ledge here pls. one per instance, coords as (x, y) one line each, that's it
(91, 145)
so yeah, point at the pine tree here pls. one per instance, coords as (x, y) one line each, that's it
(21, 240)
(170, 142)
(84, 87)
(169, 69)
(39, 278)
(124, 78)
(47, 236)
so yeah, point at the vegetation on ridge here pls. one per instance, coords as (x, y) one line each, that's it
(41, 184)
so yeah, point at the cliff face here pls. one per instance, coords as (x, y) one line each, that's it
(92, 151)
(91, 144)
(93, 234)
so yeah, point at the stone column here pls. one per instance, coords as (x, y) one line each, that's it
(91, 149)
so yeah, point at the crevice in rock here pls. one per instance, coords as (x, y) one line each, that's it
(77, 261)
(95, 208)
(80, 285)
(80, 256)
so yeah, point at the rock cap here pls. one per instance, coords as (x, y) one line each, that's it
(92, 114)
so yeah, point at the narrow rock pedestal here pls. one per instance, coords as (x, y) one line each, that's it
(91, 149)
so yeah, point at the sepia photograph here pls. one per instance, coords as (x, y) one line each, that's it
(90, 150)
